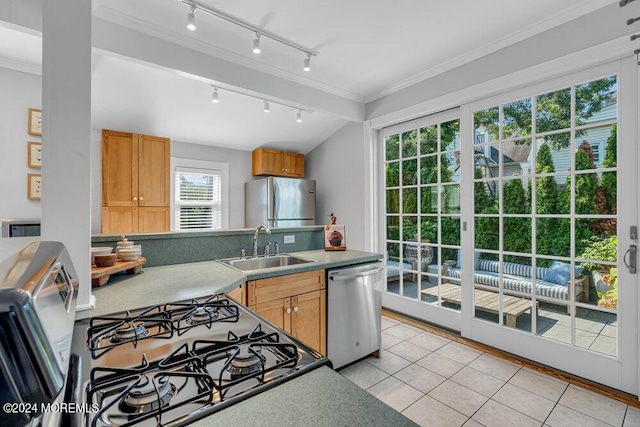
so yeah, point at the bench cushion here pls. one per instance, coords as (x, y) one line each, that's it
(513, 282)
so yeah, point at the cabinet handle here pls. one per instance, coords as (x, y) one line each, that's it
(135, 198)
(295, 309)
(141, 198)
(286, 170)
(282, 170)
(288, 310)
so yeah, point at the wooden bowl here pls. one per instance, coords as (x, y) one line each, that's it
(105, 260)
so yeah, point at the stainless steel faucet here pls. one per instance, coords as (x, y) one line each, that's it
(255, 238)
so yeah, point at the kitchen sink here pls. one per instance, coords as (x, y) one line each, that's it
(260, 263)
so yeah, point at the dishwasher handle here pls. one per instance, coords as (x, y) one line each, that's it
(339, 278)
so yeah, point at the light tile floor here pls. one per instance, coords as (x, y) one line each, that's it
(439, 382)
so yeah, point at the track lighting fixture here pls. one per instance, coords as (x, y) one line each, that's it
(215, 98)
(266, 103)
(256, 44)
(191, 18)
(259, 31)
(307, 62)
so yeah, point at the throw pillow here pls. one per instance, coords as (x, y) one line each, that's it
(476, 259)
(560, 273)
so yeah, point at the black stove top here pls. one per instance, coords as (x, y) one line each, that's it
(173, 364)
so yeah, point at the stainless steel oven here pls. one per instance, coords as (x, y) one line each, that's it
(37, 310)
(167, 364)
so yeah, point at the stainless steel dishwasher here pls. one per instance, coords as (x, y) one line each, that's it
(354, 312)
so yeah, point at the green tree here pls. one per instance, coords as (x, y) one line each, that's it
(546, 201)
(585, 196)
(553, 112)
(516, 230)
(609, 182)
(486, 227)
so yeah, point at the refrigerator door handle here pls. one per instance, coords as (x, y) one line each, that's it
(274, 207)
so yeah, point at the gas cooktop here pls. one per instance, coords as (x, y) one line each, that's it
(175, 363)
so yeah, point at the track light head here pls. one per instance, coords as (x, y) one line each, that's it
(191, 19)
(307, 63)
(267, 107)
(215, 98)
(256, 44)
(299, 116)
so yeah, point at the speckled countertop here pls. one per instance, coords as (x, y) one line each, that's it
(319, 398)
(159, 285)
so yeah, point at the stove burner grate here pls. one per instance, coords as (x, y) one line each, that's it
(129, 332)
(107, 332)
(246, 361)
(191, 314)
(148, 395)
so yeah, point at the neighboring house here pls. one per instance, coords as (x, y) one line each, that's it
(519, 160)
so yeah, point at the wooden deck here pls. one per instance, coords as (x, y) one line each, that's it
(484, 300)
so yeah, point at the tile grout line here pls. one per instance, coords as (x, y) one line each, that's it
(570, 378)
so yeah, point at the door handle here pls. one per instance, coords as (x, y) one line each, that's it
(631, 265)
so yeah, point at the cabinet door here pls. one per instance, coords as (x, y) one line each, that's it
(154, 171)
(308, 319)
(239, 294)
(119, 169)
(277, 311)
(153, 219)
(293, 164)
(267, 162)
(119, 220)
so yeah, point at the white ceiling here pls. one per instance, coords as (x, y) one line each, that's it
(367, 49)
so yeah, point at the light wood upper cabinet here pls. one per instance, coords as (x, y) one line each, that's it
(119, 169)
(269, 162)
(153, 171)
(135, 183)
(295, 303)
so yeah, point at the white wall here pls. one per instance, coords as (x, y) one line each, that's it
(338, 167)
(19, 92)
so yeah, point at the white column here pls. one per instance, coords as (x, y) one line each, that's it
(66, 135)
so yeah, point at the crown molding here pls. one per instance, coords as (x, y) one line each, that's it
(24, 67)
(520, 35)
(116, 17)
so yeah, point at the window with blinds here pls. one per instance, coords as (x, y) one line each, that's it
(198, 199)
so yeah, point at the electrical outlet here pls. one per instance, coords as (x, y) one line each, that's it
(290, 239)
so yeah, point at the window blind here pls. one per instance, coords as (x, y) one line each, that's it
(198, 203)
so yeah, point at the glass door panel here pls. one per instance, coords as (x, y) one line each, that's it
(422, 183)
(545, 215)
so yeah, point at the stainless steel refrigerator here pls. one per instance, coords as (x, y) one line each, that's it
(280, 202)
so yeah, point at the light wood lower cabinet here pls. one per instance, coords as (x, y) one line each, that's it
(295, 303)
(239, 294)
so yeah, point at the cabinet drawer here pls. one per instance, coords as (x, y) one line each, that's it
(273, 288)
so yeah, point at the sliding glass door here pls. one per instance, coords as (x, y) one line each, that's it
(511, 220)
(422, 214)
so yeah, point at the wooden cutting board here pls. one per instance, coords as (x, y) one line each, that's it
(101, 275)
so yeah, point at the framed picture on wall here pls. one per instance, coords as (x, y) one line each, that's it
(34, 186)
(34, 155)
(35, 122)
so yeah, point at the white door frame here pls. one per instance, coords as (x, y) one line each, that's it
(442, 316)
(621, 372)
